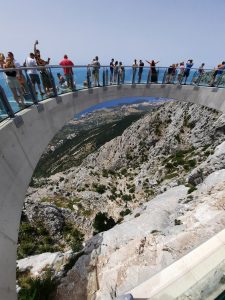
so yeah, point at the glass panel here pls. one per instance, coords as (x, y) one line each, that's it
(161, 74)
(34, 83)
(80, 77)
(221, 80)
(142, 76)
(13, 90)
(3, 113)
(189, 76)
(206, 78)
(128, 75)
(61, 80)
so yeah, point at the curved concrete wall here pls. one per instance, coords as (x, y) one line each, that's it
(21, 148)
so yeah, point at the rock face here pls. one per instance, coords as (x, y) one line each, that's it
(155, 153)
(133, 251)
(37, 263)
(166, 171)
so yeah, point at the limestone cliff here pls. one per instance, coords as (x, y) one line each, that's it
(162, 180)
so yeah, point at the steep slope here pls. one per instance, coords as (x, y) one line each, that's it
(175, 152)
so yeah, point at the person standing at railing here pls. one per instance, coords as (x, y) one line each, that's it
(12, 81)
(111, 66)
(95, 71)
(33, 73)
(121, 72)
(45, 77)
(189, 65)
(217, 74)
(154, 75)
(2, 60)
(134, 71)
(68, 72)
(171, 73)
(199, 74)
(181, 73)
(116, 72)
(140, 71)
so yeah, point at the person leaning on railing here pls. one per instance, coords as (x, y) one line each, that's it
(218, 72)
(12, 81)
(33, 73)
(187, 70)
(199, 74)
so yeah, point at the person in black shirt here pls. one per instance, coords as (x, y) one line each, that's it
(140, 71)
(111, 70)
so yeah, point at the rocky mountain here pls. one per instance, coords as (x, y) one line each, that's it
(160, 180)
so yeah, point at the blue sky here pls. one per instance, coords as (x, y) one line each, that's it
(165, 30)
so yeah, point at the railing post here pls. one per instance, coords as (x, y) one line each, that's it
(31, 89)
(53, 83)
(6, 104)
(149, 76)
(103, 77)
(107, 76)
(133, 75)
(164, 76)
(118, 78)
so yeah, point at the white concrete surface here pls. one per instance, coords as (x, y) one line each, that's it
(21, 148)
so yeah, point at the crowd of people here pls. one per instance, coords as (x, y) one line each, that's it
(42, 81)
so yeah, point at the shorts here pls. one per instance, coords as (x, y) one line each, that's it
(35, 78)
(12, 82)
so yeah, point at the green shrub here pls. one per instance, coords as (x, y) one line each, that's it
(34, 239)
(125, 212)
(73, 236)
(192, 163)
(126, 197)
(36, 288)
(132, 190)
(74, 258)
(102, 222)
(105, 173)
(124, 171)
(99, 188)
(192, 189)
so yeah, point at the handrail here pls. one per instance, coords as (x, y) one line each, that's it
(87, 78)
(85, 66)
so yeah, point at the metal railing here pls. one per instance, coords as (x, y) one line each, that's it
(17, 93)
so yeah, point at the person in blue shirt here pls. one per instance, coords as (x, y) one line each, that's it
(189, 65)
(217, 74)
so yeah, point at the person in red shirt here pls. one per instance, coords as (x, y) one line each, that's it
(68, 72)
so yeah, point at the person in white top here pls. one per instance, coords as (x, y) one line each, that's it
(33, 73)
